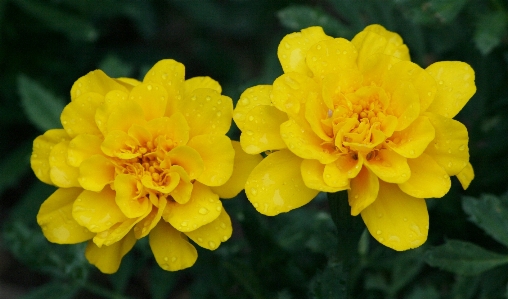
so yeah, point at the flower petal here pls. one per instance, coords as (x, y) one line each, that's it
(78, 117)
(112, 101)
(189, 159)
(96, 172)
(376, 39)
(330, 55)
(243, 165)
(291, 90)
(405, 105)
(108, 258)
(364, 191)
(200, 82)
(376, 67)
(120, 144)
(174, 128)
(125, 115)
(207, 112)
(145, 226)
(276, 186)
(466, 175)
(183, 191)
(389, 166)
(151, 97)
(218, 157)
(449, 148)
(62, 174)
(42, 147)
(261, 130)
(413, 140)
(97, 211)
(96, 82)
(170, 74)
(55, 218)
(170, 248)
(396, 219)
(203, 207)
(312, 175)
(293, 49)
(317, 115)
(211, 235)
(250, 98)
(82, 147)
(428, 179)
(455, 86)
(129, 197)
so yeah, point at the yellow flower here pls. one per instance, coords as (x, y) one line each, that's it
(141, 158)
(358, 116)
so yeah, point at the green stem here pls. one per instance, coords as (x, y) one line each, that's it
(349, 229)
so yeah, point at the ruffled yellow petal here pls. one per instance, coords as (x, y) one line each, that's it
(455, 86)
(182, 192)
(112, 101)
(276, 186)
(450, 146)
(389, 166)
(334, 174)
(145, 226)
(218, 157)
(55, 218)
(312, 175)
(291, 90)
(120, 144)
(211, 235)
(170, 248)
(243, 165)
(129, 197)
(422, 81)
(376, 67)
(250, 98)
(129, 83)
(207, 112)
(304, 143)
(413, 140)
(189, 159)
(170, 74)
(293, 48)
(175, 128)
(97, 211)
(396, 219)
(405, 105)
(82, 147)
(152, 98)
(427, 180)
(125, 115)
(108, 258)
(376, 39)
(97, 82)
(331, 55)
(203, 207)
(466, 175)
(78, 117)
(261, 130)
(200, 82)
(62, 174)
(317, 115)
(96, 172)
(42, 147)
(363, 192)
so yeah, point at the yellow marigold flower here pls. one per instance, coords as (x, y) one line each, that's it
(358, 116)
(141, 158)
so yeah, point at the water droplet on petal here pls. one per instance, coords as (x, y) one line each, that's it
(212, 244)
(378, 232)
(462, 147)
(203, 211)
(184, 224)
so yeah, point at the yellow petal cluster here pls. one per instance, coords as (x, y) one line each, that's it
(138, 159)
(358, 116)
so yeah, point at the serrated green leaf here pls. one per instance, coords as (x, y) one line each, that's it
(73, 26)
(14, 165)
(54, 290)
(40, 105)
(297, 17)
(490, 213)
(331, 283)
(464, 258)
(489, 31)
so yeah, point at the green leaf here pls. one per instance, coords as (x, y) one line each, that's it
(464, 258)
(161, 282)
(489, 31)
(15, 165)
(329, 284)
(490, 213)
(431, 11)
(465, 287)
(246, 277)
(73, 26)
(54, 290)
(297, 17)
(115, 67)
(40, 105)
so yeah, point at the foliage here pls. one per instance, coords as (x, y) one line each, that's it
(46, 45)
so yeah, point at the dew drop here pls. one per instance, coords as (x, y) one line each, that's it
(251, 118)
(149, 87)
(405, 219)
(212, 244)
(200, 240)
(412, 152)
(254, 191)
(218, 208)
(356, 196)
(184, 224)
(225, 238)
(381, 239)
(203, 211)
(173, 259)
(208, 98)
(462, 147)
(249, 132)
(379, 215)
(378, 232)
(166, 259)
(255, 204)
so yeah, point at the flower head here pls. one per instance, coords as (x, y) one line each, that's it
(141, 158)
(358, 116)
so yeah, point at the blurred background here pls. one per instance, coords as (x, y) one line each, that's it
(45, 45)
